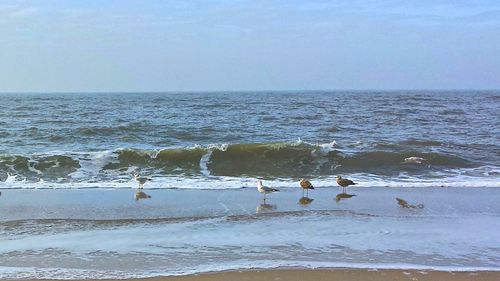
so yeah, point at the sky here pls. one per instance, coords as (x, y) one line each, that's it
(146, 45)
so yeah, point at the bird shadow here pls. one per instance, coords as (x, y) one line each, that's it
(305, 200)
(141, 195)
(404, 204)
(343, 196)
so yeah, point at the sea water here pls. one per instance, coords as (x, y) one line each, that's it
(67, 208)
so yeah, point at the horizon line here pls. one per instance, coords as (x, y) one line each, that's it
(248, 91)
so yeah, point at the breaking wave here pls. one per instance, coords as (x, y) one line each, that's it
(271, 160)
(239, 165)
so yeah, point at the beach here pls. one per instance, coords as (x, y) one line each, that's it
(424, 200)
(334, 274)
(249, 140)
(103, 233)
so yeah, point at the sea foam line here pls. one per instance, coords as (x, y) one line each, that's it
(220, 183)
(73, 273)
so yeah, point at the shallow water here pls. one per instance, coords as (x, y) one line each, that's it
(104, 233)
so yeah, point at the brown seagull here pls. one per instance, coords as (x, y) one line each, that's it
(344, 182)
(306, 185)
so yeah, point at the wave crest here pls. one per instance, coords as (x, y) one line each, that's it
(280, 159)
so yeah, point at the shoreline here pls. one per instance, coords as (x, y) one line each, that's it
(65, 234)
(297, 274)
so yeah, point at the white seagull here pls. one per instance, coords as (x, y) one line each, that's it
(265, 189)
(141, 180)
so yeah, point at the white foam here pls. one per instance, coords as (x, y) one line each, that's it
(10, 179)
(73, 274)
(31, 164)
(324, 149)
(456, 179)
(205, 159)
(216, 183)
(92, 163)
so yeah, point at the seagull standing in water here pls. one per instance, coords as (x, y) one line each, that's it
(306, 185)
(344, 182)
(141, 180)
(265, 189)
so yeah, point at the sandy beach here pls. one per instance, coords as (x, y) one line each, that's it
(332, 274)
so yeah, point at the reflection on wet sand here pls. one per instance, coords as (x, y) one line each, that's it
(141, 195)
(404, 204)
(265, 208)
(342, 196)
(305, 200)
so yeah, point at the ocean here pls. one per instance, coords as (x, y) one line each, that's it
(69, 208)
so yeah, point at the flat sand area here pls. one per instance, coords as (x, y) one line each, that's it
(334, 274)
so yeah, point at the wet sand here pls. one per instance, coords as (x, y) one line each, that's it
(380, 233)
(334, 274)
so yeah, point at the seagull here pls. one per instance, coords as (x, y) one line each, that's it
(306, 185)
(415, 160)
(344, 182)
(141, 180)
(265, 189)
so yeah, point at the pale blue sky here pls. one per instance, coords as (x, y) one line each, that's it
(248, 45)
